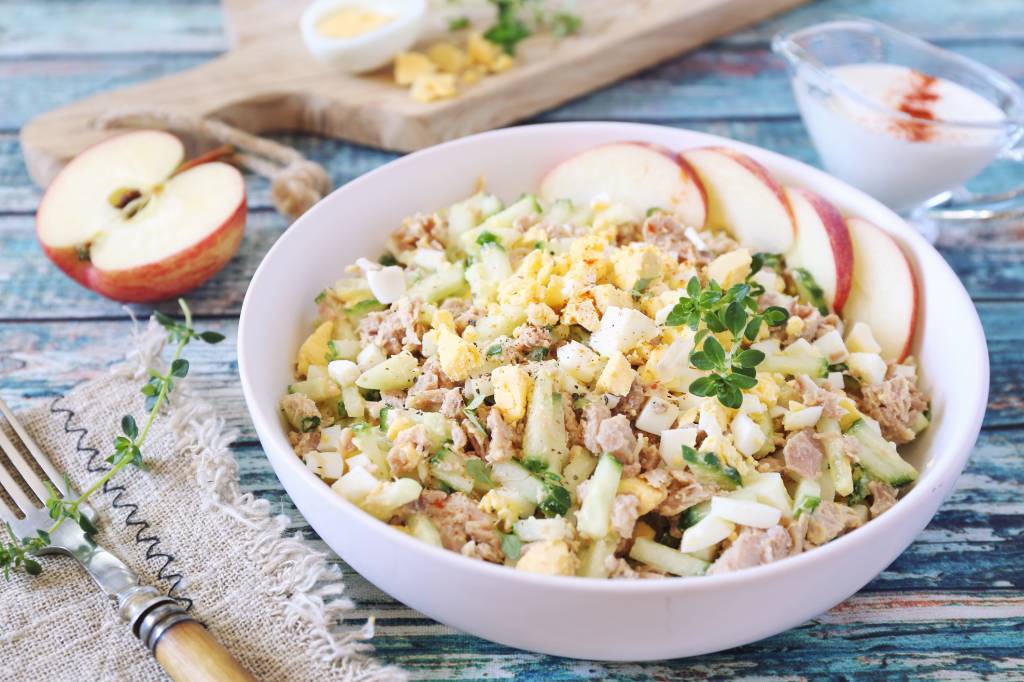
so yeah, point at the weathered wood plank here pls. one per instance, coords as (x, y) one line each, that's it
(712, 83)
(109, 26)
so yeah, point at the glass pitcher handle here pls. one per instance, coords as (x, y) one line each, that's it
(964, 204)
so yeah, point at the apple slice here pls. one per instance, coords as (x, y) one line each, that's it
(822, 245)
(120, 220)
(884, 291)
(743, 198)
(640, 175)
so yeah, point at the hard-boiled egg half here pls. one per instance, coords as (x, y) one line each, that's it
(356, 36)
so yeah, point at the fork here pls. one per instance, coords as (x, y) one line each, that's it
(185, 649)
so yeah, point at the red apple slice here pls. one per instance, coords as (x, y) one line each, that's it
(743, 198)
(640, 175)
(119, 220)
(884, 291)
(822, 245)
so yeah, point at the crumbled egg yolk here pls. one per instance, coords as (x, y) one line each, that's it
(511, 387)
(433, 86)
(411, 65)
(437, 73)
(458, 356)
(349, 22)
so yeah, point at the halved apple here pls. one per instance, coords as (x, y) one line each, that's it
(121, 220)
(640, 175)
(743, 198)
(822, 245)
(884, 292)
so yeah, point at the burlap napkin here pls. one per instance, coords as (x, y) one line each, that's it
(186, 528)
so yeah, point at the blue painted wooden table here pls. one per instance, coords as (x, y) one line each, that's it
(951, 606)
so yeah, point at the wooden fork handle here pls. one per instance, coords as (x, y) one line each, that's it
(189, 653)
(186, 650)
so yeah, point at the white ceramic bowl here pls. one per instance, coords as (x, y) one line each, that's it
(577, 617)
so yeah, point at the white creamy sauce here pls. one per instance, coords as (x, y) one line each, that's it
(899, 161)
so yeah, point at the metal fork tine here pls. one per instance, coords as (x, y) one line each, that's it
(42, 460)
(6, 515)
(14, 490)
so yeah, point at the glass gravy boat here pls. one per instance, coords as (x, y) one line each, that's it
(913, 150)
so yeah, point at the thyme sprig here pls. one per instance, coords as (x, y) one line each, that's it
(15, 554)
(710, 310)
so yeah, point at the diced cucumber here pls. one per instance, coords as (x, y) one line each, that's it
(467, 214)
(423, 529)
(449, 468)
(472, 242)
(879, 458)
(839, 466)
(388, 497)
(353, 402)
(693, 515)
(708, 466)
(707, 554)
(398, 371)
(920, 423)
(795, 365)
(317, 387)
(809, 291)
(559, 212)
(518, 478)
(665, 558)
(594, 516)
(358, 311)
(545, 440)
(534, 530)
(351, 290)
(526, 205)
(594, 557)
(375, 445)
(438, 426)
(343, 349)
(440, 284)
(501, 323)
(807, 497)
(579, 468)
(495, 261)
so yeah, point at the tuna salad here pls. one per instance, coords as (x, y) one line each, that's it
(578, 388)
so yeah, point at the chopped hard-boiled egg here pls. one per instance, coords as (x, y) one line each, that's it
(458, 357)
(657, 415)
(431, 87)
(549, 557)
(512, 385)
(314, 350)
(744, 512)
(730, 268)
(621, 330)
(411, 65)
(387, 284)
(707, 532)
(746, 435)
(579, 361)
(801, 417)
(672, 442)
(616, 377)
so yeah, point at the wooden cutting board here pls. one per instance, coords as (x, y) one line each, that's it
(268, 81)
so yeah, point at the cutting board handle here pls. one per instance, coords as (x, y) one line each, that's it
(52, 139)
